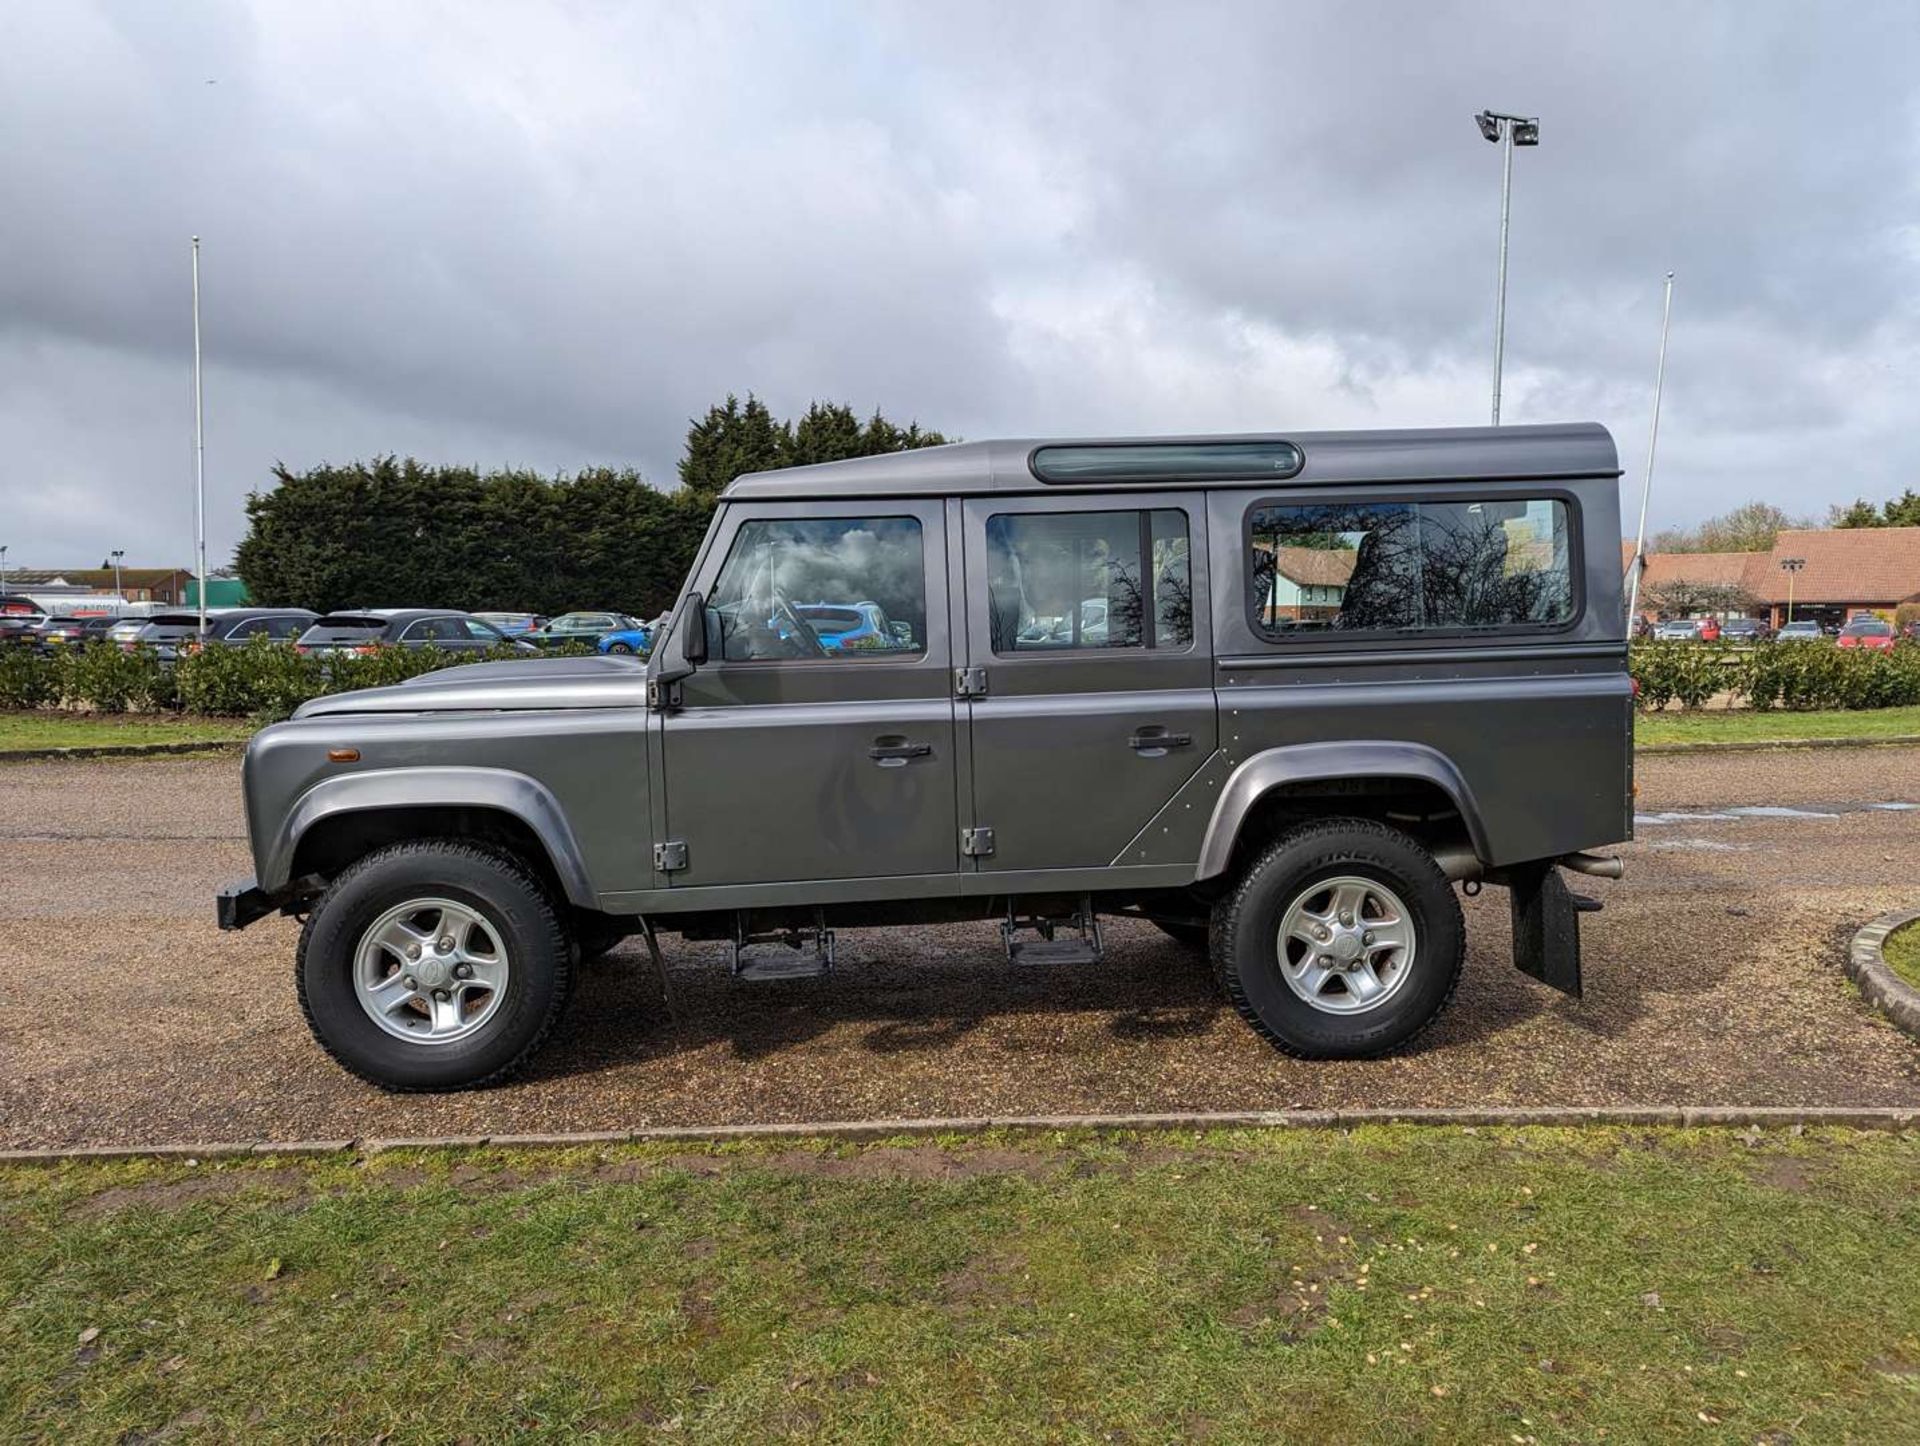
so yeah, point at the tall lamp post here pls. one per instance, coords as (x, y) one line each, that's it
(116, 555)
(199, 452)
(1791, 567)
(3, 569)
(1506, 131)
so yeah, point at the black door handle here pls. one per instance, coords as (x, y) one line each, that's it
(888, 754)
(1158, 740)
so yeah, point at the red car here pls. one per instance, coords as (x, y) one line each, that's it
(1867, 631)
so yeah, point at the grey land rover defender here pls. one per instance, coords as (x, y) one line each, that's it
(1277, 695)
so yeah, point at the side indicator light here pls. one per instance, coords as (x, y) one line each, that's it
(343, 755)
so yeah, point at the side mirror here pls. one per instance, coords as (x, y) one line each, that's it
(682, 651)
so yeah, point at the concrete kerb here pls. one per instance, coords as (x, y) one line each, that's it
(1669, 1116)
(1885, 990)
(1772, 745)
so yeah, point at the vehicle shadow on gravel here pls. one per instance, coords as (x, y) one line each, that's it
(926, 997)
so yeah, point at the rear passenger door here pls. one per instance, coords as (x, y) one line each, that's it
(1088, 673)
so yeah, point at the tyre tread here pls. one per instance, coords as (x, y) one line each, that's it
(551, 919)
(1232, 907)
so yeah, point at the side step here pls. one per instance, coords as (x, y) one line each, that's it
(803, 954)
(1054, 944)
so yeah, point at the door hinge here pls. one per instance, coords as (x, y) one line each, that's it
(976, 843)
(969, 682)
(670, 857)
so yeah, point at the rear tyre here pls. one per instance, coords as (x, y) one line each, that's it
(619, 647)
(1343, 940)
(434, 965)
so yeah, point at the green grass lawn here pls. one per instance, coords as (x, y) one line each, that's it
(1743, 725)
(1902, 953)
(79, 730)
(1389, 1284)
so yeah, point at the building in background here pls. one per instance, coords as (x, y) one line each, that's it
(1841, 572)
(169, 585)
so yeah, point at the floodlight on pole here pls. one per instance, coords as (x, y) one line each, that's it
(116, 555)
(3, 569)
(1514, 130)
(1791, 567)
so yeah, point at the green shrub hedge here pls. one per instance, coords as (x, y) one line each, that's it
(1776, 675)
(262, 679)
(268, 680)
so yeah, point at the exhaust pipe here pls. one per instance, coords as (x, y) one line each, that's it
(1595, 864)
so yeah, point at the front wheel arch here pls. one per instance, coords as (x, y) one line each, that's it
(338, 841)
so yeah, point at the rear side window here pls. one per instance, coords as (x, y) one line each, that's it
(1409, 567)
(1074, 581)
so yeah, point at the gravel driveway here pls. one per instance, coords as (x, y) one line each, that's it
(1712, 978)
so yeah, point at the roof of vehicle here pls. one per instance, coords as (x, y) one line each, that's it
(380, 617)
(190, 617)
(1561, 449)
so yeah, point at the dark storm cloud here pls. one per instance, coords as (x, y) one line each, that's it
(548, 236)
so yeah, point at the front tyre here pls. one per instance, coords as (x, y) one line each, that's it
(1343, 940)
(619, 647)
(434, 965)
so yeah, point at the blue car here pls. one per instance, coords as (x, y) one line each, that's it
(636, 639)
(860, 626)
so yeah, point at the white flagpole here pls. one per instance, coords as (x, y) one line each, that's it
(1646, 484)
(199, 452)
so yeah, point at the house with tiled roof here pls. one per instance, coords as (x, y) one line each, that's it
(1308, 582)
(1826, 574)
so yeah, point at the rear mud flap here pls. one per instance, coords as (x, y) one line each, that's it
(1546, 925)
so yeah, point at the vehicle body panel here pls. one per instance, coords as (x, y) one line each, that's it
(767, 769)
(763, 769)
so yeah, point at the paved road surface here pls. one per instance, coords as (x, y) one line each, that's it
(1713, 978)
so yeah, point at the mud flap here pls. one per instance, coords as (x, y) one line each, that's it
(1546, 925)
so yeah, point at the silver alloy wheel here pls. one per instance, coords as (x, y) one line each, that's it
(430, 971)
(1346, 945)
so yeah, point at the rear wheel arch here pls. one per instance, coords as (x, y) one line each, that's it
(1409, 787)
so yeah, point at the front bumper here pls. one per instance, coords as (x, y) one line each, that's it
(241, 902)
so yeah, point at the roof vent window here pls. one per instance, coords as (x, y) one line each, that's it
(1167, 462)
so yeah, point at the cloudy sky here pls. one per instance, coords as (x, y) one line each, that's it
(546, 235)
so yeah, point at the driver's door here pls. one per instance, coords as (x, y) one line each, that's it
(786, 760)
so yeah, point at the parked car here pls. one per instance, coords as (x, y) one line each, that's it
(58, 633)
(456, 843)
(20, 629)
(1867, 631)
(854, 627)
(636, 639)
(1745, 630)
(1686, 630)
(170, 634)
(580, 628)
(513, 624)
(1911, 632)
(1802, 630)
(367, 630)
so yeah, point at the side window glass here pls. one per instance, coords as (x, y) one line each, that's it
(1410, 566)
(806, 589)
(482, 632)
(1071, 581)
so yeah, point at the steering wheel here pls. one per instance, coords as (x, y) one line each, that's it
(801, 629)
